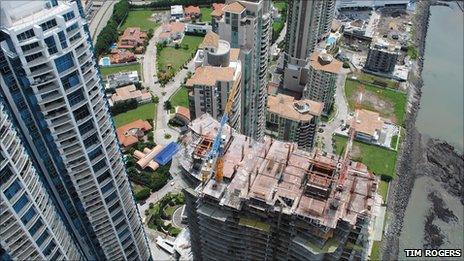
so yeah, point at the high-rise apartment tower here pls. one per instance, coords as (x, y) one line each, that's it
(31, 228)
(52, 87)
(247, 25)
(307, 23)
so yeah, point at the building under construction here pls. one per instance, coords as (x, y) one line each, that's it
(274, 202)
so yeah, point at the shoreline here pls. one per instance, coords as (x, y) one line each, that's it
(416, 151)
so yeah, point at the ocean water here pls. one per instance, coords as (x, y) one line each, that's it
(442, 109)
(440, 116)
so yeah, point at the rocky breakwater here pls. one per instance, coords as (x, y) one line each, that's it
(417, 157)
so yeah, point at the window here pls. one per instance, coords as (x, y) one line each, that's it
(107, 187)
(28, 47)
(78, 35)
(69, 16)
(62, 38)
(76, 97)
(81, 113)
(38, 224)
(5, 175)
(95, 153)
(26, 35)
(48, 24)
(70, 80)
(42, 238)
(32, 57)
(101, 164)
(51, 44)
(110, 197)
(19, 205)
(64, 62)
(72, 27)
(91, 141)
(103, 177)
(86, 127)
(48, 250)
(13, 189)
(28, 216)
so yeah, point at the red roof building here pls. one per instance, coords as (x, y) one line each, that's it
(122, 56)
(132, 38)
(130, 133)
(192, 12)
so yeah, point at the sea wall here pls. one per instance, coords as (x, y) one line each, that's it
(401, 186)
(418, 156)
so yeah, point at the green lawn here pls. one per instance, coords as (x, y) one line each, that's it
(394, 140)
(176, 58)
(383, 190)
(375, 253)
(376, 80)
(180, 98)
(105, 71)
(169, 210)
(136, 187)
(206, 14)
(139, 18)
(377, 159)
(396, 101)
(144, 112)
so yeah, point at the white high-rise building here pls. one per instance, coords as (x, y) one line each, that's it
(247, 25)
(31, 228)
(51, 83)
(307, 23)
(218, 70)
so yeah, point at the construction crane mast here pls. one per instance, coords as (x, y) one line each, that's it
(349, 144)
(216, 155)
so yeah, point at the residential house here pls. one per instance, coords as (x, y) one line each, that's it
(130, 133)
(192, 12)
(128, 93)
(132, 38)
(122, 56)
(367, 125)
(171, 32)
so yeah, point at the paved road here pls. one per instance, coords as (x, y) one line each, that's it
(164, 93)
(101, 18)
(341, 114)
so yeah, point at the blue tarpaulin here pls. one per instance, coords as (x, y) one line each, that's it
(167, 153)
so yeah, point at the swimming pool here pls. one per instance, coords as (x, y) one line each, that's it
(331, 40)
(105, 61)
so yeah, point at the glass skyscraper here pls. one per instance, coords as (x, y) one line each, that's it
(51, 87)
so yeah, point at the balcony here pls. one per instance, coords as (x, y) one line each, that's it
(42, 80)
(44, 69)
(46, 87)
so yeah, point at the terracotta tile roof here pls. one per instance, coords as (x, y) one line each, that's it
(132, 37)
(325, 62)
(286, 107)
(122, 56)
(217, 9)
(211, 40)
(183, 112)
(130, 92)
(367, 122)
(191, 9)
(129, 134)
(234, 54)
(145, 158)
(209, 75)
(235, 7)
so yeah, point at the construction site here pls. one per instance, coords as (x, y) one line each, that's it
(269, 200)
